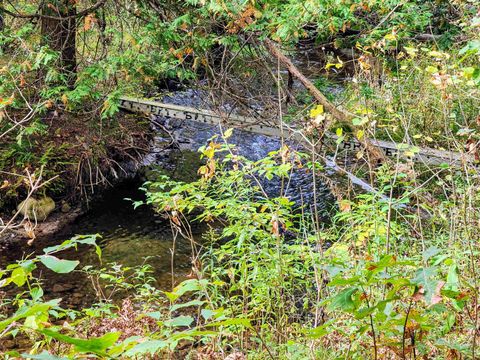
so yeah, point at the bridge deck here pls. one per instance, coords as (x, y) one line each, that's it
(426, 156)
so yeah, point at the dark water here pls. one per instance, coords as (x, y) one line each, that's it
(128, 237)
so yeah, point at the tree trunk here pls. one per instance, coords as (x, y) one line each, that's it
(60, 35)
(2, 20)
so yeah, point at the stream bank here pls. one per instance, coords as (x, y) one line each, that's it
(128, 237)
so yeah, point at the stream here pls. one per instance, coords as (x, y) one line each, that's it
(133, 237)
(128, 237)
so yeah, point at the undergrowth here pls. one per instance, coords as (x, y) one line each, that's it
(380, 281)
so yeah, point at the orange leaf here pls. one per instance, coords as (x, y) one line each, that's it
(89, 20)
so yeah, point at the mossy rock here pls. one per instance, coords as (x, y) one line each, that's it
(34, 209)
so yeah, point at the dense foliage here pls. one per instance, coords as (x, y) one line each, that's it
(392, 275)
(267, 284)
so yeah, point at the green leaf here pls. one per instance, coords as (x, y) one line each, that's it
(73, 242)
(179, 321)
(28, 265)
(452, 278)
(27, 311)
(430, 252)
(320, 331)
(95, 345)
(19, 276)
(208, 313)
(43, 356)
(147, 347)
(229, 322)
(364, 312)
(472, 47)
(339, 281)
(58, 265)
(463, 348)
(155, 315)
(184, 287)
(359, 121)
(125, 345)
(343, 300)
(187, 304)
(36, 293)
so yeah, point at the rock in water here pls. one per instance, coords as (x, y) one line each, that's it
(34, 209)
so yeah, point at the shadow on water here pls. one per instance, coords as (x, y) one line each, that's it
(130, 237)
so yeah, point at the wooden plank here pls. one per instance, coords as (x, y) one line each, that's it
(198, 115)
(392, 150)
(426, 156)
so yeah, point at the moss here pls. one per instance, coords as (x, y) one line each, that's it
(34, 209)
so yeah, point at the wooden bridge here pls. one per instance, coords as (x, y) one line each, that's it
(427, 156)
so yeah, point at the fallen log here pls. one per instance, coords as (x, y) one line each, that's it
(339, 114)
(349, 147)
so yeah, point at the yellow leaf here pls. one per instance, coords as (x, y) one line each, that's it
(106, 105)
(437, 54)
(360, 134)
(390, 37)
(345, 206)
(65, 99)
(228, 133)
(6, 102)
(339, 132)
(412, 52)
(202, 170)
(318, 110)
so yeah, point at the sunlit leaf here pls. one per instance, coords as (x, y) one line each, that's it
(58, 265)
(95, 345)
(179, 321)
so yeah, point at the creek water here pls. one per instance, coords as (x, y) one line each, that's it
(132, 237)
(128, 237)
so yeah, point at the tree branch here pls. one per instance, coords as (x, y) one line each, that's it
(337, 113)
